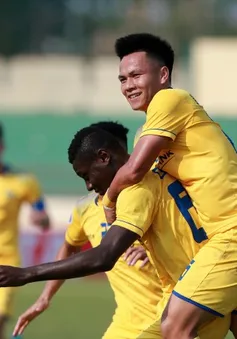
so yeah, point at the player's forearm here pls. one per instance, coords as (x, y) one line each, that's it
(139, 163)
(127, 176)
(51, 287)
(79, 265)
(99, 259)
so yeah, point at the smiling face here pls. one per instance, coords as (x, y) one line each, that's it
(141, 77)
(97, 173)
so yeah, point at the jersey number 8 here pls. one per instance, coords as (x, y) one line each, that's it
(184, 203)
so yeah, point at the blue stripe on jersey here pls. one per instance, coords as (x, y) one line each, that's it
(39, 205)
(205, 308)
(227, 136)
(232, 143)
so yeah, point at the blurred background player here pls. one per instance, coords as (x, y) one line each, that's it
(137, 289)
(15, 189)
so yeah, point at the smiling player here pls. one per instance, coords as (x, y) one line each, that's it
(180, 136)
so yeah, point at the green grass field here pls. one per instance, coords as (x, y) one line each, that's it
(81, 309)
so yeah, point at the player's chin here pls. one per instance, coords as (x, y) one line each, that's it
(136, 105)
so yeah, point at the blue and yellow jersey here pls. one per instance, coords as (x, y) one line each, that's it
(16, 188)
(160, 211)
(137, 291)
(200, 155)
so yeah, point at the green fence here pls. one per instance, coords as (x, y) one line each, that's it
(39, 142)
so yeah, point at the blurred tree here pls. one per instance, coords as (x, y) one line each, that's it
(24, 24)
(76, 26)
(14, 26)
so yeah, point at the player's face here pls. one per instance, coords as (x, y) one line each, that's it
(97, 174)
(141, 78)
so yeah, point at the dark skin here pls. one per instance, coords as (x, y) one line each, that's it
(141, 77)
(97, 173)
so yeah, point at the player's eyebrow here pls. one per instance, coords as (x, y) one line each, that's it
(131, 73)
(120, 77)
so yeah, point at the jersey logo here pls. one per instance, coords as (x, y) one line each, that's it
(164, 158)
(105, 227)
(157, 170)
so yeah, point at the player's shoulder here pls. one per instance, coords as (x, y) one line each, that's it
(150, 183)
(19, 174)
(84, 203)
(168, 96)
(27, 178)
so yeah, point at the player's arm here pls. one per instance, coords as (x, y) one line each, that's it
(135, 213)
(99, 259)
(140, 161)
(39, 215)
(161, 127)
(33, 195)
(51, 287)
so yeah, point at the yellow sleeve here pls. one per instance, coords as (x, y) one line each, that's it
(167, 113)
(137, 205)
(75, 234)
(32, 189)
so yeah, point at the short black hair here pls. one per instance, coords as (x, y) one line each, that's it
(115, 128)
(153, 45)
(88, 140)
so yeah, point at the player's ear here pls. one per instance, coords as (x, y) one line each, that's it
(103, 156)
(164, 75)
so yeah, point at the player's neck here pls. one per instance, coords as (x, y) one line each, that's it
(121, 160)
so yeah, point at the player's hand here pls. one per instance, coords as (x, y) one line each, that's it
(135, 253)
(30, 314)
(110, 214)
(12, 276)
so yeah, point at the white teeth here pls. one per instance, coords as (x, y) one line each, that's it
(134, 96)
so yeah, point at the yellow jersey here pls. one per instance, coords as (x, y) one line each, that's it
(166, 224)
(137, 291)
(200, 155)
(16, 188)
